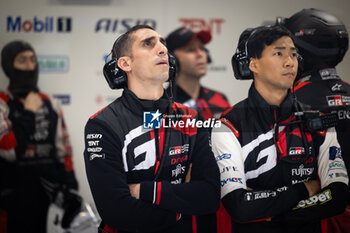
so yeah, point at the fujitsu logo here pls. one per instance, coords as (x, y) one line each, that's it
(301, 171)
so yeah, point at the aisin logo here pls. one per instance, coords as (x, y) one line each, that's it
(151, 120)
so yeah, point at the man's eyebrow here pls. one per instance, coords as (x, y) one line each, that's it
(284, 48)
(149, 39)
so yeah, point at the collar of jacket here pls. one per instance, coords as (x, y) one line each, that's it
(265, 110)
(138, 106)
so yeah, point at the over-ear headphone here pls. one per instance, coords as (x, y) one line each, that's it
(117, 78)
(240, 60)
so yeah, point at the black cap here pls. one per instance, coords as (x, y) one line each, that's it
(183, 36)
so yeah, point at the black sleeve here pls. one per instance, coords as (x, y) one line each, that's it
(330, 201)
(108, 184)
(245, 206)
(201, 195)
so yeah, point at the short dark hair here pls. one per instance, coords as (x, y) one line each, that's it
(122, 46)
(263, 36)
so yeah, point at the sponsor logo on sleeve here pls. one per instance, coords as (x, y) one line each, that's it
(251, 196)
(94, 155)
(231, 180)
(319, 199)
(223, 156)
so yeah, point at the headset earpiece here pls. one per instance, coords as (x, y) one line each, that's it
(115, 77)
(240, 60)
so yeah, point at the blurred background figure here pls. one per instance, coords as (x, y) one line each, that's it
(193, 58)
(322, 40)
(36, 166)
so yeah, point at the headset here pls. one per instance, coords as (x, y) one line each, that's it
(240, 60)
(117, 78)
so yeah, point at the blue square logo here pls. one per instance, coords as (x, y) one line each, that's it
(151, 120)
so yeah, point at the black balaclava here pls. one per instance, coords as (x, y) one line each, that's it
(21, 82)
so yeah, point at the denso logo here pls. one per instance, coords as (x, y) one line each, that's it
(122, 25)
(17, 24)
(179, 160)
(198, 24)
(231, 179)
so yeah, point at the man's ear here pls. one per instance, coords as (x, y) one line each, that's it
(253, 66)
(124, 63)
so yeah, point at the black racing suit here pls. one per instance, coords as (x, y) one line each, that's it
(264, 157)
(33, 147)
(209, 104)
(325, 91)
(120, 151)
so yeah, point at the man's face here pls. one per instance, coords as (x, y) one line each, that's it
(149, 59)
(278, 65)
(25, 61)
(193, 59)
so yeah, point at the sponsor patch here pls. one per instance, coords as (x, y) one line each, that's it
(176, 150)
(94, 156)
(318, 199)
(231, 180)
(223, 156)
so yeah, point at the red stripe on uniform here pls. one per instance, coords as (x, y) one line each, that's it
(93, 116)
(109, 229)
(159, 192)
(300, 85)
(68, 163)
(230, 125)
(161, 141)
(223, 220)
(194, 224)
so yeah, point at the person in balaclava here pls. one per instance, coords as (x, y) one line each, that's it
(35, 152)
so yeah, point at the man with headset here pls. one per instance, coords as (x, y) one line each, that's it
(192, 60)
(323, 46)
(277, 175)
(145, 176)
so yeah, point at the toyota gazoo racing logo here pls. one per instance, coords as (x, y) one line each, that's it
(296, 151)
(320, 198)
(176, 150)
(338, 100)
